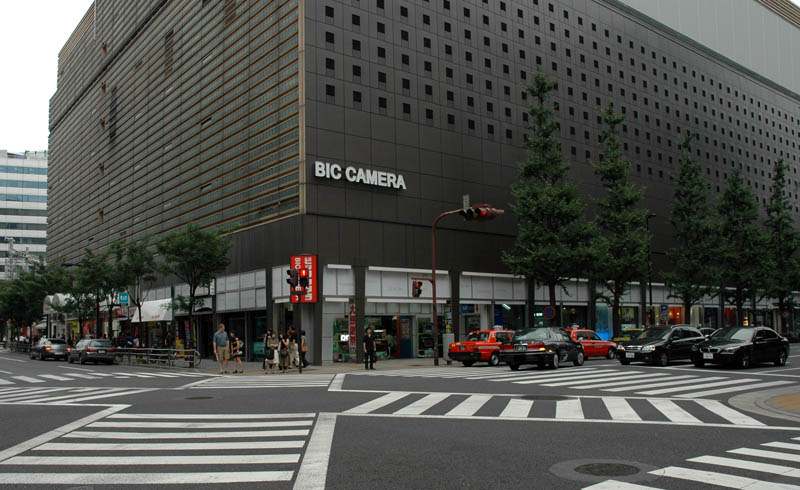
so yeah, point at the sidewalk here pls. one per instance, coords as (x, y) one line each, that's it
(254, 368)
(789, 404)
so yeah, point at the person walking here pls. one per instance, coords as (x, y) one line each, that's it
(271, 353)
(294, 356)
(237, 346)
(303, 348)
(283, 351)
(222, 350)
(369, 349)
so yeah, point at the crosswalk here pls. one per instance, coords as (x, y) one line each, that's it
(596, 409)
(93, 375)
(612, 380)
(46, 396)
(747, 467)
(167, 449)
(264, 381)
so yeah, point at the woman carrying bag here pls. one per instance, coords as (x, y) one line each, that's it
(271, 342)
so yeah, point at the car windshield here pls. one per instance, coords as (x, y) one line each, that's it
(533, 334)
(57, 341)
(744, 334)
(478, 336)
(101, 343)
(654, 334)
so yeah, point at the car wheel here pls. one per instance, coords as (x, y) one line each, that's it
(579, 360)
(69, 359)
(494, 359)
(781, 360)
(624, 362)
(514, 367)
(744, 361)
(662, 359)
(554, 362)
(467, 363)
(41, 356)
(699, 363)
(82, 360)
(612, 353)
(30, 354)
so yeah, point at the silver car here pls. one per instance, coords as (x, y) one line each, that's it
(93, 350)
(50, 348)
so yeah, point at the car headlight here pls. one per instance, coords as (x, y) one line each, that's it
(730, 349)
(648, 348)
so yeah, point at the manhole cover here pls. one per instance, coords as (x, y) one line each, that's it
(199, 397)
(545, 397)
(607, 469)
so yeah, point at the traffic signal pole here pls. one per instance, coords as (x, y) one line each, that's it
(433, 283)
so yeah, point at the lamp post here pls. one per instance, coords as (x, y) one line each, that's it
(650, 264)
(477, 212)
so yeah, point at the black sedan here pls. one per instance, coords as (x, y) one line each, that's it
(50, 349)
(660, 345)
(542, 346)
(742, 346)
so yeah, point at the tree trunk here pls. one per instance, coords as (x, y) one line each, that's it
(551, 291)
(781, 321)
(616, 328)
(687, 306)
(193, 344)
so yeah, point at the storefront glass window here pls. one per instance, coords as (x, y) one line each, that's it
(511, 317)
(258, 337)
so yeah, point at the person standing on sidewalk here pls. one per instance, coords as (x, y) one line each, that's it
(237, 346)
(303, 348)
(283, 350)
(271, 352)
(222, 349)
(369, 349)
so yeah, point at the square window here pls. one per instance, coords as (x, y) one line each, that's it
(406, 108)
(329, 37)
(356, 96)
(356, 20)
(330, 90)
(330, 64)
(328, 11)
(382, 102)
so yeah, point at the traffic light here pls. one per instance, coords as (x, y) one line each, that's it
(480, 212)
(303, 277)
(416, 288)
(293, 279)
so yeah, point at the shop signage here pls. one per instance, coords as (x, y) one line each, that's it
(123, 299)
(309, 263)
(352, 339)
(359, 175)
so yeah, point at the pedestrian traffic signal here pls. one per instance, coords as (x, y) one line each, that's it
(416, 288)
(480, 212)
(303, 277)
(293, 279)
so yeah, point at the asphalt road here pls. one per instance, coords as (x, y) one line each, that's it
(483, 427)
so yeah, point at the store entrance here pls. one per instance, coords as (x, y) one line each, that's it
(393, 335)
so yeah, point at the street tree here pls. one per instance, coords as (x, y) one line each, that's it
(553, 235)
(739, 251)
(84, 284)
(195, 257)
(690, 278)
(138, 267)
(783, 245)
(622, 243)
(113, 280)
(22, 298)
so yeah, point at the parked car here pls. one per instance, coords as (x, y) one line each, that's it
(480, 346)
(593, 345)
(660, 345)
(50, 348)
(542, 346)
(93, 350)
(742, 347)
(707, 331)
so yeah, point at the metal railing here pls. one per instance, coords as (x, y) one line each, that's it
(159, 357)
(16, 346)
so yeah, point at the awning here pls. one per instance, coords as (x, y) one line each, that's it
(159, 310)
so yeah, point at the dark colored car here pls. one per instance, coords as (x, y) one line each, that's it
(542, 346)
(742, 346)
(50, 349)
(707, 331)
(660, 345)
(93, 350)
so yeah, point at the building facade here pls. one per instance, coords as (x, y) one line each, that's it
(23, 210)
(342, 129)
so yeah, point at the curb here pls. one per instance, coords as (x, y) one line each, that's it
(760, 402)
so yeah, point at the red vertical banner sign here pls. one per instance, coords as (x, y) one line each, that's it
(352, 338)
(308, 262)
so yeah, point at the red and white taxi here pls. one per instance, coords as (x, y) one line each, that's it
(481, 345)
(593, 345)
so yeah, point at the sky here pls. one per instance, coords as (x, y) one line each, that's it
(32, 34)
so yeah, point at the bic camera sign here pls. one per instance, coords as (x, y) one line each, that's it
(359, 175)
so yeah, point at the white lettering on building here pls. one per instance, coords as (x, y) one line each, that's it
(325, 170)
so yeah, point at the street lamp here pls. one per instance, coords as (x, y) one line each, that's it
(650, 264)
(476, 212)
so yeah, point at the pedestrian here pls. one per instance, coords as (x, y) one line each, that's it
(369, 349)
(271, 352)
(237, 351)
(222, 349)
(294, 355)
(391, 344)
(283, 351)
(303, 348)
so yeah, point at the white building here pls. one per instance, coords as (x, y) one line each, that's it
(23, 210)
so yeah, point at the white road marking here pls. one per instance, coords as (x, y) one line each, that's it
(660, 384)
(155, 460)
(637, 381)
(783, 445)
(77, 369)
(469, 406)
(673, 411)
(9, 359)
(719, 479)
(5, 372)
(55, 377)
(569, 409)
(517, 374)
(744, 464)
(617, 485)
(313, 470)
(377, 403)
(693, 387)
(720, 391)
(594, 378)
(209, 416)
(620, 409)
(517, 408)
(168, 446)
(114, 479)
(727, 413)
(133, 391)
(760, 453)
(543, 378)
(6, 398)
(200, 425)
(338, 381)
(5, 382)
(187, 435)
(423, 404)
(27, 379)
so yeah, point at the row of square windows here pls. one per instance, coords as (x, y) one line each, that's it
(487, 42)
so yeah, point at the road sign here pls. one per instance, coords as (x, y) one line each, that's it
(549, 312)
(664, 308)
(123, 298)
